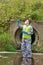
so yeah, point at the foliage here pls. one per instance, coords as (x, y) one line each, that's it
(20, 9)
(6, 42)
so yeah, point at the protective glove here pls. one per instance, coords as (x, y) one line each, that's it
(18, 21)
(23, 32)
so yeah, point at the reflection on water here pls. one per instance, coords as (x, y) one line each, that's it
(16, 59)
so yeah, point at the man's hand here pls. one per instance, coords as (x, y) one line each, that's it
(18, 21)
(23, 32)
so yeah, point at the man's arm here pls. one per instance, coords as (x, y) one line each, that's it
(19, 24)
(31, 30)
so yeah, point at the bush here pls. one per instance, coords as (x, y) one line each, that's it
(6, 42)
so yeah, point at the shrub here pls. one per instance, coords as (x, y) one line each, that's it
(6, 42)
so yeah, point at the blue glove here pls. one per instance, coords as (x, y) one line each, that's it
(23, 32)
(18, 21)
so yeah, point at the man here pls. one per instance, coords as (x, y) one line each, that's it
(27, 31)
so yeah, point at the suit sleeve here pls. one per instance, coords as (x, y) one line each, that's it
(31, 30)
(20, 25)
